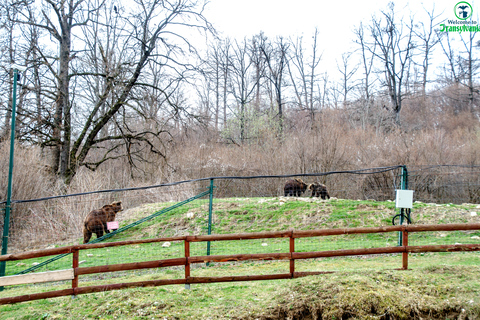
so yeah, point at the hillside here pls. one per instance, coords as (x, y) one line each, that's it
(436, 286)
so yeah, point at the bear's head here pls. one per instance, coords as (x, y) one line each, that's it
(116, 206)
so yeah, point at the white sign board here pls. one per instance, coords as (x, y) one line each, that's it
(112, 225)
(404, 199)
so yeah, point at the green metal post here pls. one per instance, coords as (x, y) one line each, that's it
(404, 186)
(210, 208)
(6, 221)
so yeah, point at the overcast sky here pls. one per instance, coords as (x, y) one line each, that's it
(334, 19)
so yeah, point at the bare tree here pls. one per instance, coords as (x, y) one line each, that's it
(216, 71)
(428, 39)
(449, 52)
(469, 66)
(367, 59)
(243, 80)
(59, 18)
(347, 74)
(395, 49)
(99, 78)
(460, 70)
(307, 74)
(153, 38)
(9, 13)
(225, 67)
(258, 41)
(276, 57)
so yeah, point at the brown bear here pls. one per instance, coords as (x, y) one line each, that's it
(319, 190)
(96, 220)
(294, 187)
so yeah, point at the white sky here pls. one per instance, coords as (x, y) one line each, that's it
(334, 19)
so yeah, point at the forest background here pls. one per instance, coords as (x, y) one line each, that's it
(118, 96)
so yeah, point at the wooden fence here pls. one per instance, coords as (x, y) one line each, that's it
(186, 261)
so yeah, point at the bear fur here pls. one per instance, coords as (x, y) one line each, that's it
(96, 220)
(319, 190)
(294, 187)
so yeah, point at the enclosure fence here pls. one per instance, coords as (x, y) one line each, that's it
(212, 205)
(291, 253)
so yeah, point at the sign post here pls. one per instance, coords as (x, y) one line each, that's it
(403, 201)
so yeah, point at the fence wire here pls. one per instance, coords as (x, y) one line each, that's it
(359, 198)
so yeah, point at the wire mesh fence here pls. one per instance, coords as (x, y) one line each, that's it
(455, 184)
(359, 198)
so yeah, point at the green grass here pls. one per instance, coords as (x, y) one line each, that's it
(260, 215)
(444, 283)
(362, 287)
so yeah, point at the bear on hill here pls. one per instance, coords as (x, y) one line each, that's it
(294, 187)
(96, 220)
(319, 190)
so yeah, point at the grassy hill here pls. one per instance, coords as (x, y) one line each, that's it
(436, 286)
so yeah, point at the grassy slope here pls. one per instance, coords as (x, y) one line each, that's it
(437, 286)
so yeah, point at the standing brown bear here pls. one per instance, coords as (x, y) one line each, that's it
(294, 187)
(96, 220)
(319, 190)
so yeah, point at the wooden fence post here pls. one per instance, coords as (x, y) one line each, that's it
(405, 253)
(187, 264)
(292, 250)
(75, 253)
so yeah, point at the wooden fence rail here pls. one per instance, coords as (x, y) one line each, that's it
(73, 273)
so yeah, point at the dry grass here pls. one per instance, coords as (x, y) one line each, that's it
(333, 144)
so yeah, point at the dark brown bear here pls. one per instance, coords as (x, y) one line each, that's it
(96, 220)
(319, 190)
(294, 187)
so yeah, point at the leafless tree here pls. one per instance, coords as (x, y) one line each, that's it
(212, 75)
(153, 38)
(58, 19)
(304, 85)
(469, 66)
(243, 80)
(460, 71)
(428, 38)
(8, 57)
(215, 69)
(366, 60)
(258, 60)
(450, 71)
(99, 78)
(366, 82)
(395, 43)
(225, 67)
(276, 57)
(347, 72)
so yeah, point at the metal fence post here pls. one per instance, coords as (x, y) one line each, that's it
(6, 221)
(404, 186)
(210, 209)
